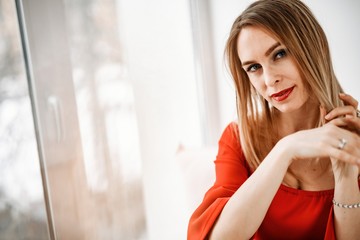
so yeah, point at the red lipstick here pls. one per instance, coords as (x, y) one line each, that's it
(282, 95)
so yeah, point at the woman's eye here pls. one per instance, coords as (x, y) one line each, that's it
(280, 54)
(253, 68)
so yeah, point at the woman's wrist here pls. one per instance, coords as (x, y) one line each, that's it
(284, 147)
(346, 182)
(344, 171)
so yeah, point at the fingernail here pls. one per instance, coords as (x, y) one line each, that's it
(327, 116)
(342, 94)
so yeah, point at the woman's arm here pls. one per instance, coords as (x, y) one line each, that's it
(243, 214)
(347, 220)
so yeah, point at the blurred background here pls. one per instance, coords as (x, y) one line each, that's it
(110, 111)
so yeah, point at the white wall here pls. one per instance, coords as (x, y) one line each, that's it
(341, 21)
(158, 43)
(224, 13)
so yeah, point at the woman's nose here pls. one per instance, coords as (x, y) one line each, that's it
(270, 76)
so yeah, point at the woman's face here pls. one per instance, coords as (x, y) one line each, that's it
(271, 69)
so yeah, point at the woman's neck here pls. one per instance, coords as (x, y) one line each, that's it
(306, 117)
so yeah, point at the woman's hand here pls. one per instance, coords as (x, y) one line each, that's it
(346, 117)
(338, 139)
(326, 141)
(349, 111)
(350, 123)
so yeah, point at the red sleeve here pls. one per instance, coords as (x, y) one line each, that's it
(330, 229)
(231, 172)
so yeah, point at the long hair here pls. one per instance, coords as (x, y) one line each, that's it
(294, 25)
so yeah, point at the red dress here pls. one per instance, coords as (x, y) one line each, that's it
(293, 214)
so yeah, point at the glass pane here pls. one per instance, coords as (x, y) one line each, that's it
(22, 207)
(107, 122)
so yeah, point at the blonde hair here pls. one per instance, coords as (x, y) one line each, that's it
(294, 25)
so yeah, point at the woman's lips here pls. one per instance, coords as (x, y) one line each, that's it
(282, 95)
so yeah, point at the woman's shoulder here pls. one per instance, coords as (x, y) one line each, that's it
(230, 140)
(231, 131)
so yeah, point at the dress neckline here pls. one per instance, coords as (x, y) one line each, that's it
(327, 192)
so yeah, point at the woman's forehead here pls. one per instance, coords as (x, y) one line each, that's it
(254, 40)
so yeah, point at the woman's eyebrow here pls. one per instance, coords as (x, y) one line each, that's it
(275, 45)
(267, 53)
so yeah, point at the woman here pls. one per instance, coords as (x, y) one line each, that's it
(289, 168)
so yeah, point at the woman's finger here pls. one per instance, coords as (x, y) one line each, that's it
(351, 123)
(340, 112)
(346, 146)
(349, 100)
(350, 108)
(344, 156)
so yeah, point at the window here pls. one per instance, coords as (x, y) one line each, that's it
(84, 110)
(22, 206)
